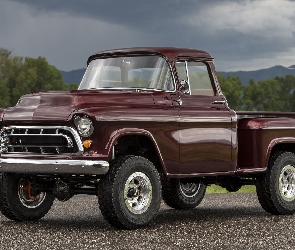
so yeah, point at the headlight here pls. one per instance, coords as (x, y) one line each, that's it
(84, 125)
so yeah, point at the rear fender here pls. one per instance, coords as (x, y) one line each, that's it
(280, 144)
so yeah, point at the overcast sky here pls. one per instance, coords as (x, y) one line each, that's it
(240, 34)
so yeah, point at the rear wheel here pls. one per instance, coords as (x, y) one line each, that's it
(183, 193)
(276, 188)
(129, 195)
(20, 200)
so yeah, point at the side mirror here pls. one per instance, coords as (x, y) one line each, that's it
(184, 87)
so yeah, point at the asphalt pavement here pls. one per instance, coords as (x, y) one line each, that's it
(221, 221)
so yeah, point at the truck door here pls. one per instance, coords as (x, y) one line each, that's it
(206, 130)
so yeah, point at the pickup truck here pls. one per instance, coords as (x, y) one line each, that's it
(146, 124)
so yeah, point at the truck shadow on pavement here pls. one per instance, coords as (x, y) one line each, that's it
(82, 213)
(166, 216)
(209, 214)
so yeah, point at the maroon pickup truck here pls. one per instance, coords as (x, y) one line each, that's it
(146, 124)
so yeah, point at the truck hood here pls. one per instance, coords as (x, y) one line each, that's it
(58, 106)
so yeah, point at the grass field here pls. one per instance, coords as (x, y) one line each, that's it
(217, 189)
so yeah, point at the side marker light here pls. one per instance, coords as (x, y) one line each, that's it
(87, 143)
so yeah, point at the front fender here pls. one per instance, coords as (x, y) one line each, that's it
(133, 131)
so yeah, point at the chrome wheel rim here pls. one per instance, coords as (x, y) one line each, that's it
(26, 197)
(189, 189)
(138, 193)
(287, 183)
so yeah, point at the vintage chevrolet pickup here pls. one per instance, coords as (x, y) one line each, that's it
(145, 124)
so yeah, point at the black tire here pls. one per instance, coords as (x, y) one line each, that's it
(16, 201)
(129, 195)
(276, 188)
(183, 193)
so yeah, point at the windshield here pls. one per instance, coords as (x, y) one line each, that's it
(140, 72)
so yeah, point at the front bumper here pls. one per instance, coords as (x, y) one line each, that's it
(40, 166)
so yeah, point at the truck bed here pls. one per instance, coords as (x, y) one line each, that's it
(260, 134)
(264, 114)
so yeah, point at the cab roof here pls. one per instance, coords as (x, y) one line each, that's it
(169, 52)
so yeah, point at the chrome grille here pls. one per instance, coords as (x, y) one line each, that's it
(40, 140)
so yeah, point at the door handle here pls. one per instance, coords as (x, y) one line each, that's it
(179, 101)
(219, 102)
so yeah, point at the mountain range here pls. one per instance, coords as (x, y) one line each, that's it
(75, 76)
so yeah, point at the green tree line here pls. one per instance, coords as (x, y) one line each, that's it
(22, 75)
(277, 94)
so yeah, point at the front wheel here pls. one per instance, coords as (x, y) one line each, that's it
(276, 188)
(20, 200)
(183, 193)
(129, 195)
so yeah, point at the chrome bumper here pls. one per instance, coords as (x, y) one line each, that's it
(88, 167)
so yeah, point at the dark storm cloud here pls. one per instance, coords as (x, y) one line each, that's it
(237, 33)
(135, 13)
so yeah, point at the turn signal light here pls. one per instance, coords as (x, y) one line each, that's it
(87, 143)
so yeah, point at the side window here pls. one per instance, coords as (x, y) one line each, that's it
(199, 79)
